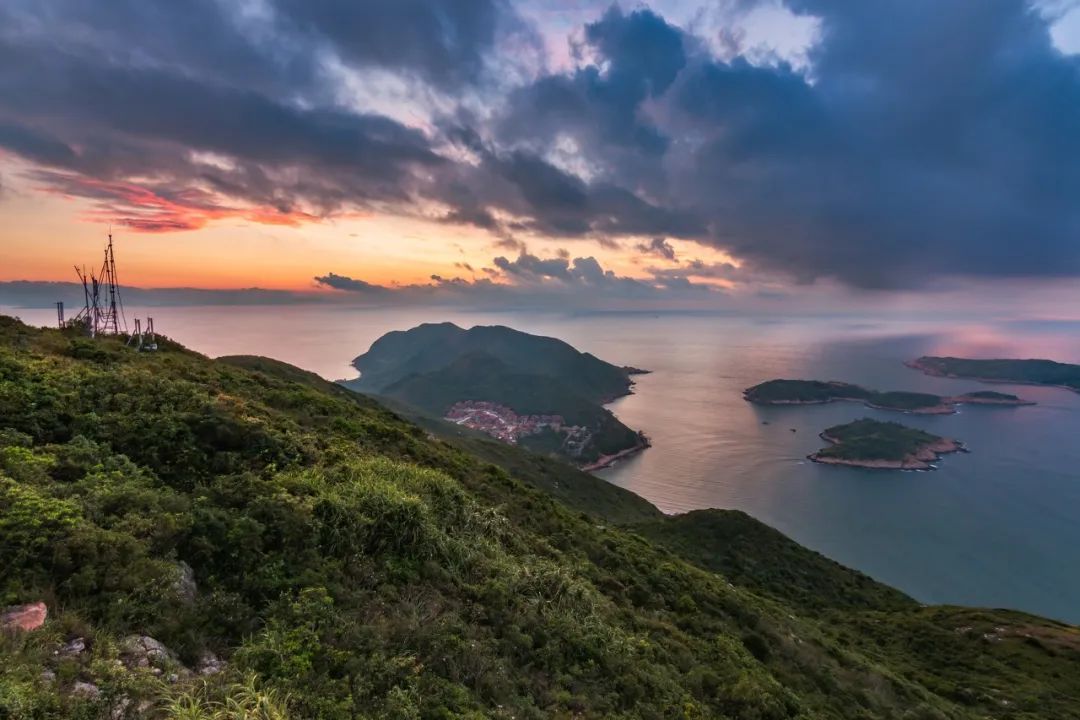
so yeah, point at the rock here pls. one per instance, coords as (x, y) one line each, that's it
(48, 676)
(143, 651)
(85, 690)
(209, 664)
(74, 648)
(24, 617)
(120, 708)
(185, 586)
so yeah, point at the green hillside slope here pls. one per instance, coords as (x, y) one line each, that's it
(339, 562)
(429, 347)
(574, 488)
(753, 555)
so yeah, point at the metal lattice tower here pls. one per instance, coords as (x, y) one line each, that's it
(103, 311)
(112, 320)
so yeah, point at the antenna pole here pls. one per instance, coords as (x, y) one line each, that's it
(100, 315)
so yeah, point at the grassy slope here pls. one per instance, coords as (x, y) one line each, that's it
(348, 561)
(578, 490)
(753, 555)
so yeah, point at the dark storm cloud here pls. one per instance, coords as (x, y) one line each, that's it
(216, 110)
(444, 41)
(637, 57)
(101, 118)
(934, 138)
(642, 56)
(35, 146)
(548, 200)
(924, 138)
(148, 104)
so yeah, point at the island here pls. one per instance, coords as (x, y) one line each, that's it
(815, 392)
(1020, 372)
(536, 392)
(880, 445)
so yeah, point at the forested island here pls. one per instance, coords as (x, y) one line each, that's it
(184, 538)
(1023, 372)
(874, 444)
(533, 391)
(813, 392)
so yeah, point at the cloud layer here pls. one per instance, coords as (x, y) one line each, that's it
(923, 138)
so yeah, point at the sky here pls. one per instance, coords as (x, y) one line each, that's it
(731, 154)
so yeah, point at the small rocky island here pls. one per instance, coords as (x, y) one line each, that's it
(880, 445)
(814, 392)
(1021, 372)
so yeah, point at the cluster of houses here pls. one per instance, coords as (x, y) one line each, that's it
(500, 421)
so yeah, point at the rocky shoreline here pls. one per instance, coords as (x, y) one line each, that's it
(921, 459)
(608, 460)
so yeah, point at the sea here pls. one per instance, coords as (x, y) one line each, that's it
(996, 527)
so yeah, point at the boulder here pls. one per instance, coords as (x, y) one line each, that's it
(73, 648)
(120, 708)
(24, 617)
(185, 586)
(209, 664)
(143, 651)
(85, 690)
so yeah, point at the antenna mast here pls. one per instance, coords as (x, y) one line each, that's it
(112, 315)
(100, 315)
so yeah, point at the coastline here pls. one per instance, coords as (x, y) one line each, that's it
(934, 372)
(608, 460)
(922, 459)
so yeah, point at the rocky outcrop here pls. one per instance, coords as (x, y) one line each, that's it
(209, 664)
(143, 651)
(185, 586)
(74, 648)
(24, 617)
(86, 690)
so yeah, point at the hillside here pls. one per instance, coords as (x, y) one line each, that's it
(574, 488)
(513, 385)
(483, 377)
(753, 555)
(312, 554)
(429, 347)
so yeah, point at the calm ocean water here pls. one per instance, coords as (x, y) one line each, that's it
(997, 527)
